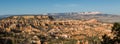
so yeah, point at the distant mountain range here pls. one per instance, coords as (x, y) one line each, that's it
(87, 15)
(80, 16)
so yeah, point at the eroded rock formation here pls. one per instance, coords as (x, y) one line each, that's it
(22, 29)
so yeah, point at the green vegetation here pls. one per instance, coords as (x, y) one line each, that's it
(116, 32)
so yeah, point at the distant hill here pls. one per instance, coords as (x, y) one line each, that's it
(87, 15)
(79, 16)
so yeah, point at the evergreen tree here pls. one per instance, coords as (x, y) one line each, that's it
(116, 32)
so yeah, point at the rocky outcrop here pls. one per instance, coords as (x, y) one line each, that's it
(44, 29)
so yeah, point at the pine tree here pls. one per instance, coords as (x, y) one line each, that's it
(116, 32)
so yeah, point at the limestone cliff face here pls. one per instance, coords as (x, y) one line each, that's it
(46, 29)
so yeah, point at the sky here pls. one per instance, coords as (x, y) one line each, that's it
(8, 7)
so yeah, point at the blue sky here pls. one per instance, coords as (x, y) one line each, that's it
(58, 6)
